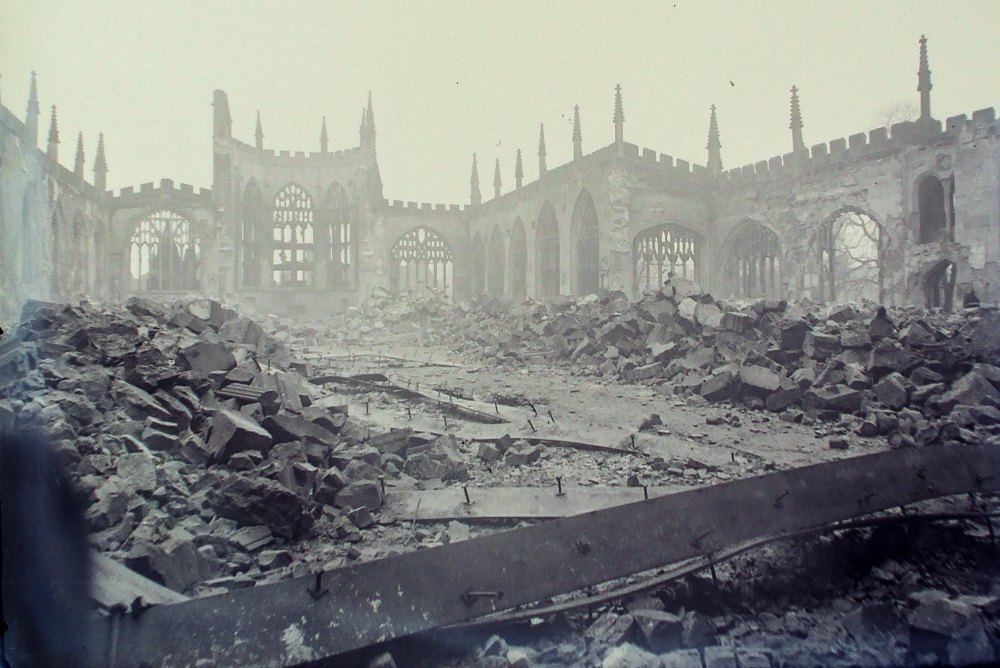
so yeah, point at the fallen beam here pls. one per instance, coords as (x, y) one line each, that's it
(114, 585)
(313, 617)
(512, 503)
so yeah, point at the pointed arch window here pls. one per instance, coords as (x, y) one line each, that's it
(547, 254)
(850, 251)
(663, 250)
(163, 254)
(340, 229)
(292, 259)
(422, 258)
(932, 210)
(518, 260)
(586, 248)
(495, 277)
(253, 234)
(753, 262)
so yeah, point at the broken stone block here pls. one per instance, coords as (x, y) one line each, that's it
(110, 505)
(138, 403)
(737, 322)
(158, 440)
(495, 646)
(893, 390)
(970, 390)
(793, 334)
(752, 658)
(820, 346)
(252, 538)
(630, 656)
(273, 559)
(872, 622)
(938, 623)
(838, 398)
(881, 326)
(718, 387)
(360, 517)
(394, 442)
(204, 357)
(256, 500)
(782, 398)
(888, 356)
(177, 562)
(233, 432)
(685, 658)
(697, 630)
(488, 452)
(138, 470)
(285, 427)
(985, 337)
(610, 630)
(839, 443)
(522, 454)
(360, 494)
(759, 380)
(720, 657)
(328, 484)
(661, 630)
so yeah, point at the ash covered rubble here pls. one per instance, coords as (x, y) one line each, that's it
(203, 457)
(917, 377)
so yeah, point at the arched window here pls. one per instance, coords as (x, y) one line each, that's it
(292, 255)
(939, 286)
(930, 203)
(478, 265)
(586, 245)
(164, 253)
(338, 212)
(518, 261)
(422, 258)
(498, 263)
(547, 253)
(253, 234)
(659, 251)
(752, 262)
(850, 259)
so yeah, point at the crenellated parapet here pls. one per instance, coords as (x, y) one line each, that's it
(165, 191)
(400, 207)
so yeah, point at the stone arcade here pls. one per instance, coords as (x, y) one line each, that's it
(903, 215)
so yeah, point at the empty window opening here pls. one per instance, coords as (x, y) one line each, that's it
(518, 260)
(663, 250)
(163, 254)
(547, 254)
(752, 266)
(421, 258)
(495, 276)
(849, 260)
(939, 286)
(586, 237)
(292, 258)
(340, 241)
(931, 205)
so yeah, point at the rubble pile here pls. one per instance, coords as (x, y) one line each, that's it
(202, 456)
(915, 376)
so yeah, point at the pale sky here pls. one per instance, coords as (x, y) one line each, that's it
(453, 78)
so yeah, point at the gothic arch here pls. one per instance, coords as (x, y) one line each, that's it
(340, 239)
(849, 256)
(547, 253)
(751, 261)
(422, 257)
(163, 253)
(292, 219)
(939, 285)
(665, 249)
(586, 244)
(253, 234)
(495, 276)
(478, 265)
(518, 260)
(931, 209)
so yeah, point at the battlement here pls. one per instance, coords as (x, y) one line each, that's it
(875, 143)
(679, 168)
(398, 206)
(165, 190)
(317, 157)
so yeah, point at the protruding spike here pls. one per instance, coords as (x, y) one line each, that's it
(53, 147)
(258, 133)
(798, 145)
(924, 81)
(714, 147)
(79, 161)
(100, 166)
(31, 117)
(577, 134)
(371, 114)
(518, 171)
(542, 168)
(324, 139)
(475, 197)
(496, 179)
(619, 117)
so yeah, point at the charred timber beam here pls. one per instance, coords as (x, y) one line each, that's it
(313, 617)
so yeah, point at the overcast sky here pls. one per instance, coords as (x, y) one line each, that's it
(453, 78)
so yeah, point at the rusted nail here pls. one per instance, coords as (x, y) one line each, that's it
(445, 421)
(496, 407)
(381, 482)
(552, 418)
(533, 409)
(366, 408)
(468, 499)
(316, 591)
(632, 436)
(409, 413)
(777, 500)
(645, 492)
(732, 455)
(532, 426)
(559, 486)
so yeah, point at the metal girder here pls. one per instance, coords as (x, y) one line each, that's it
(313, 617)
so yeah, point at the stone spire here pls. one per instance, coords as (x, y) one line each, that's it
(796, 123)
(714, 147)
(53, 147)
(924, 82)
(100, 166)
(518, 171)
(370, 123)
(541, 151)
(475, 197)
(496, 179)
(78, 162)
(577, 134)
(31, 117)
(619, 118)
(364, 126)
(324, 138)
(258, 133)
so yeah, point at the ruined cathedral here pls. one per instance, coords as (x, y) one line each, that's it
(904, 215)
